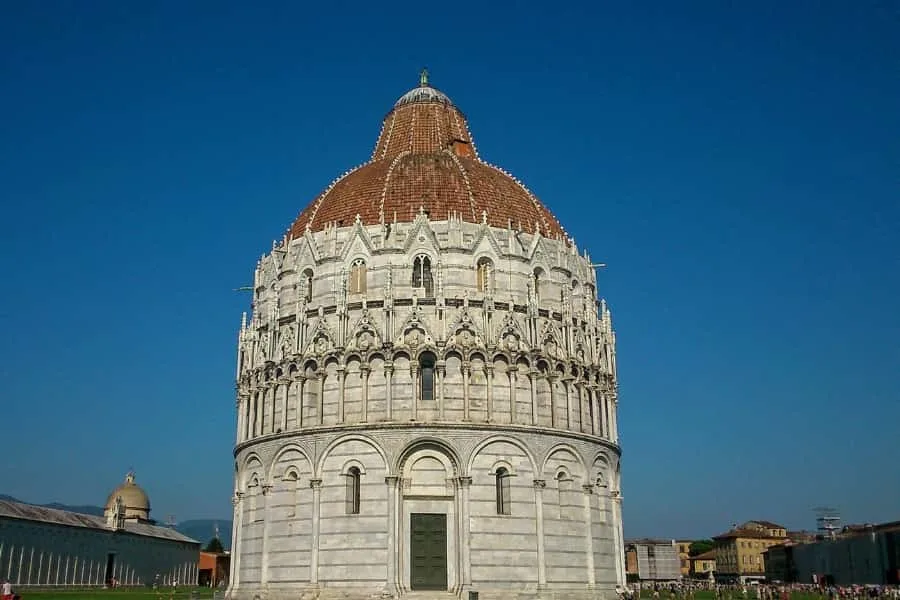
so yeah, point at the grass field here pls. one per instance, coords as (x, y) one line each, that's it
(134, 594)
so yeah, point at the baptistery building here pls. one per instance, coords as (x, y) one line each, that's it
(426, 388)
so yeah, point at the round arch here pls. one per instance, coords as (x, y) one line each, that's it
(348, 438)
(500, 438)
(563, 446)
(281, 452)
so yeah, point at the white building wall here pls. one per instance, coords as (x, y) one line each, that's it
(524, 377)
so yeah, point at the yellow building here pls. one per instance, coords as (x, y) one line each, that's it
(703, 564)
(739, 552)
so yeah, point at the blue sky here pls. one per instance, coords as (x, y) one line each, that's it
(736, 164)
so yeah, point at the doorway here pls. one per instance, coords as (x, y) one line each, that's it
(110, 568)
(428, 551)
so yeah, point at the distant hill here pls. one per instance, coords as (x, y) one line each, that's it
(86, 509)
(201, 530)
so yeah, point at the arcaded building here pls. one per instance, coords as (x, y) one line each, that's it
(47, 547)
(426, 388)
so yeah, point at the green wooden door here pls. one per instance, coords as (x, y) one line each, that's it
(428, 551)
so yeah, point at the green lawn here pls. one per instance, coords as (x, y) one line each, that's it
(133, 594)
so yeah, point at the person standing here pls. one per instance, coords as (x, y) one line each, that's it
(6, 590)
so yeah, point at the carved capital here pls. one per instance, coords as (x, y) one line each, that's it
(236, 499)
(588, 488)
(540, 484)
(266, 488)
(315, 483)
(464, 482)
(392, 481)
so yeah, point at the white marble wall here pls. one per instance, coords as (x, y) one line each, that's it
(293, 532)
(38, 554)
(329, 379)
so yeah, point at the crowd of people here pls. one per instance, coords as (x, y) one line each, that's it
(762, 591)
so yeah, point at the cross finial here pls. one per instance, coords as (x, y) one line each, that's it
(423, 78)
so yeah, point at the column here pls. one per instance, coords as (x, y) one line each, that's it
(393, 547)
(465, 373)
(614, 417)
(512, 394)
(342, 376)
(551, 381)
(66, 574)
(414, 372)
(251, 432)
(30, 564)
(534, 405)
(539, 485)
(617, 536)
(441, 371)
(58, 566)
(274, 394)
(300, 394)
(236, 533)
(595, 411)
(40, 568)
(316, 485)
(566, 386)
(589, 538)
(286, 384)
(489, 372)
(601, 407)
(248, 407)
(389, 390)
(364, 413)
(465, 575)
(320, 396)
(240, 419)
(579, 389)
(264, 560)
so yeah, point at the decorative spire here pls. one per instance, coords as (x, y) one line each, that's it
(423, 78)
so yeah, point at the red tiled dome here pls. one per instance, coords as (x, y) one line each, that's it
(425, 159)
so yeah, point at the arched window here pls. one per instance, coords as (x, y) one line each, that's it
(562, 488)
(308, 285)
(483, 274)
(292, 487)
(502, 491)
(354, 478)
(357, 283)
(426, 378)
(421, 275)
(536, 282)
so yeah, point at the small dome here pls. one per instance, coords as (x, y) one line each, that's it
(134, 499)
(423, 93)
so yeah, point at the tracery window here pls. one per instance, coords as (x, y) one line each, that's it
(502, 491)
(426, 377)
(357, 283)
(354, 478)
(421, 275)
(483, 274)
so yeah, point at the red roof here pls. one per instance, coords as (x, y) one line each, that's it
(425, 159)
